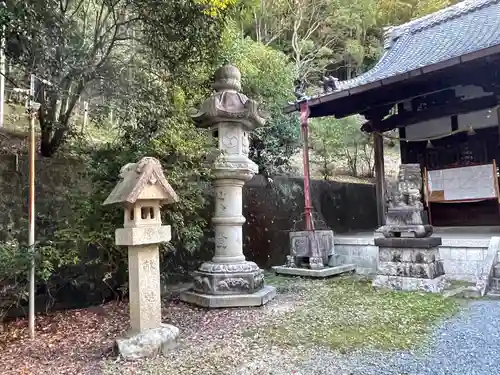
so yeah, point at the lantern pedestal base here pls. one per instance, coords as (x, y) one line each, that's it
(235, 284)
(259, 298)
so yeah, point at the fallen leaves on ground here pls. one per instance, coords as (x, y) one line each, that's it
(81, 341)
(340, 313)
(66, 342)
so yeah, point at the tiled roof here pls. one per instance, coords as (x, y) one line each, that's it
(466, 27)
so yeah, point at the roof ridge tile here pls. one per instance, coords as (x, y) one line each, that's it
(444, 15)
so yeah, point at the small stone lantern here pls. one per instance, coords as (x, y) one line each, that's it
(142, 189)
(229, 280)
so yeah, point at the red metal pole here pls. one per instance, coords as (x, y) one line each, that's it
(304, 115)
(31, 199)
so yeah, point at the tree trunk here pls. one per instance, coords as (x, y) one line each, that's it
(55, 128)
(53, 131)
(49, 145)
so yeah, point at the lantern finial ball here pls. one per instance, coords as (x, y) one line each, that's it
(227, 77)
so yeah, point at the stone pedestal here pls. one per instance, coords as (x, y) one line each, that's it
(229, 280)
(410, 264)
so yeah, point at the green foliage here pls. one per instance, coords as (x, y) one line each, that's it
(13, 271)
(15, 260)
(215, 7)
(155, 123)
(88, 47)
(340, 140)
(339, 37)
(395, 12)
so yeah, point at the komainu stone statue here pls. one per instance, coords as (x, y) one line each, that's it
(405, 210)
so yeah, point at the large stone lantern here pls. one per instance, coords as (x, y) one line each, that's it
(229, 280)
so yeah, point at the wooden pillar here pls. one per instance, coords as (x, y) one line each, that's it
(403, 146)
(379, 175)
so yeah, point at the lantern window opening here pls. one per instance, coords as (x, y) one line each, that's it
(145, 213)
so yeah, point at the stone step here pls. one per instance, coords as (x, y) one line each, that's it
(493, 294)
(495, 284)
(496, 270)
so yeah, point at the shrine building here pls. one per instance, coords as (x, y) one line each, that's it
(438, 84)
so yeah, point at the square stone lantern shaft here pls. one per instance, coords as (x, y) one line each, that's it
(229, 280)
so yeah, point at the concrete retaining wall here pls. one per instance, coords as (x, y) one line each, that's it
(361, 252)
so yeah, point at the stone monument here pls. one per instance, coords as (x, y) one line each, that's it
(229, 280)
(405, 210)
(141, 190)
(408, 263)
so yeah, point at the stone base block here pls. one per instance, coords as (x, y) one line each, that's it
(410, 283)
(408, 242)
(148, 343)
(429, 270)
(414, 255)
(397, 230)
(307, 272)
(259, 298)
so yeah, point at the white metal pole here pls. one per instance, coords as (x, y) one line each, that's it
(66, 105)
(85, 115)
(2, 76)
(31, 239)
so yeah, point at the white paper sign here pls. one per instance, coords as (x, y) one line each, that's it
(473, 182)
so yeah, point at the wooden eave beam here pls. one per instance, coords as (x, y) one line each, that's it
(402, 120)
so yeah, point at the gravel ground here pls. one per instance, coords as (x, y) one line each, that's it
(468, 344)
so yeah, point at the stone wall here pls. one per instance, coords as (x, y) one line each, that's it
(360, 251)
(54, 177)
(463, 259)
(272, 209)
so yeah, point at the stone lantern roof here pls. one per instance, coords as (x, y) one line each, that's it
(228, 104)
(142, 181)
